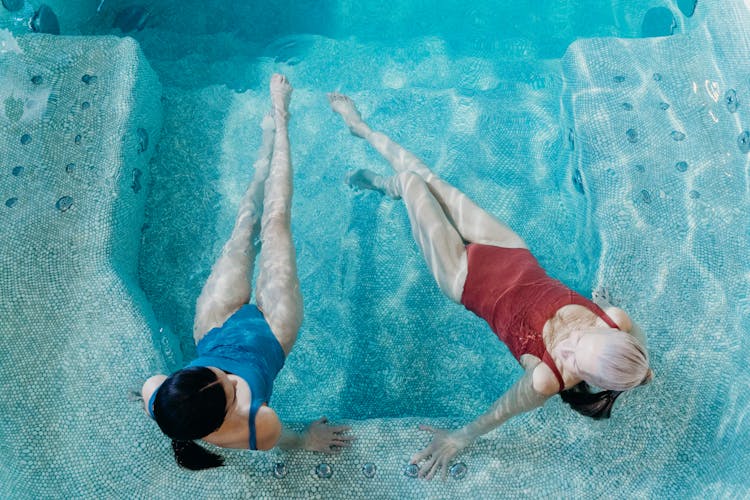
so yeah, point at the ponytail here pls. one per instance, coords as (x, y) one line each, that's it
(193, 456)
(597, 405)
(189, 405)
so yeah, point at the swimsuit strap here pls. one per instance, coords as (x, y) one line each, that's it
(604, 316)
(547, 360)
(151, 402)
(254, 407)
(594, 308)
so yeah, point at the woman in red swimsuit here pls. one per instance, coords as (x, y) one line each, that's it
(562, 339)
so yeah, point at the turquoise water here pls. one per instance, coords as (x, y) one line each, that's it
(577, 141)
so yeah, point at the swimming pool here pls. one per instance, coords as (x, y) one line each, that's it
(620, 160)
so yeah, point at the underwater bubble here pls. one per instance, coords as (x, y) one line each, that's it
(627, 106)
(663, 106)
(70, 167)
(743, 141)
(279, 470)
(411, 470)
(578, 181)
(369, 470)
(619, 79)
(142, 140)
(136, 185)
(658, 21)
(88, 79)
(681, 166)
(677, 135)
(657, 77)
(632, 135)
(458, 471)
(10, 202)
(13, 5)
(131, 18)
(85, 105)
(730, 98)
(25, 139)
(324, 471)
(64, 203)
(646, 196)
(77, 139)
(17, 170)
(45, 21)
(37, 79)
(694, 195)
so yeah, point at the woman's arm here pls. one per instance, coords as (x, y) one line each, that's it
(520, 398)
(319, 436)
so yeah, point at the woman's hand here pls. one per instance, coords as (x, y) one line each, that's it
(319, 436)
(438, 454)
(519, 398)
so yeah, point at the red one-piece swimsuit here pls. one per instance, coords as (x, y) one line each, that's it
(509, 290)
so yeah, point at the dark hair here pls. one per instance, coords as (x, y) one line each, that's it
(597, 405)
(189, 405)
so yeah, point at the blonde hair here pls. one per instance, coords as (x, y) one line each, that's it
(621, 364)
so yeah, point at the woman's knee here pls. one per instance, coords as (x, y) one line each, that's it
(407, 182)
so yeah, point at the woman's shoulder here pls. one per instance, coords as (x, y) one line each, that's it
(267, 428)
(620, 317)
(544, 381)
(149, 386)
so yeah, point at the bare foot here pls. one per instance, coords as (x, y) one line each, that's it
(344, 106)
(367, 179)
(281, 92)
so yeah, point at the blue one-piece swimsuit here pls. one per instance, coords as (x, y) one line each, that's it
(244, 346)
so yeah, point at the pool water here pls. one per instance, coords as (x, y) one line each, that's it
(620, 160)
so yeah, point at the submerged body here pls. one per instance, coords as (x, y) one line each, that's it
(222, 397)
(561, 340)
(509, 290)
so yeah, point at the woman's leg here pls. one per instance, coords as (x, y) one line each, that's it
(277, 290)
(472, 222)
(441, 245)
(228, 286)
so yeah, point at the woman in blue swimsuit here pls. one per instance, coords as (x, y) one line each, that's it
(222, 396)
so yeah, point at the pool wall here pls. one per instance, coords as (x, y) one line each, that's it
(93, 301)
